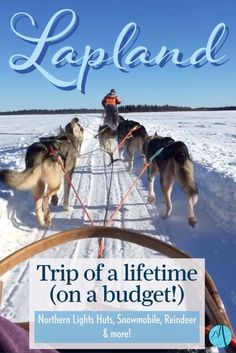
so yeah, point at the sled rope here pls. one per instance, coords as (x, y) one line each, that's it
(121, 144)
(122, 201)
(85, 154)
(100, 132)
(108, 222)
(127, 137)
(96, 149)
(108, 194)
(101, 246)
(53, 152)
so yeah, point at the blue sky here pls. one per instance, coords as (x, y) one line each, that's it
(185, 25)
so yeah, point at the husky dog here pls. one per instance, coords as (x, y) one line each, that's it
(106, 136)
(74, 128)
(172, 161)
(121, 118)
(43, 172)
(135, 142)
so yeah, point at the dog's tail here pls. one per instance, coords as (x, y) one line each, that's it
(24, 180)
(185, 170)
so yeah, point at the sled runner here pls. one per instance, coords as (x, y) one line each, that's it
(214, 308)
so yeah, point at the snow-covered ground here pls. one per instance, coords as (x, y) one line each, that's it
(211, 139)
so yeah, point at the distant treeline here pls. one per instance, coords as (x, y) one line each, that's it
(52, 111)
(122, 109)
(231, 107)
(151, 108)
(167, 108)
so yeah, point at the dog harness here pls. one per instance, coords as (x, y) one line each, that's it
(160, 145)
(167, 141)
(54, 153)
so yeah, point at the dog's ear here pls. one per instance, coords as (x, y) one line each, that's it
(61, 129)
(155, 134)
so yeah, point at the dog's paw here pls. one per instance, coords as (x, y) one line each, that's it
(166, 215)
(192, 221)
(151, 198)
(54, 200)
(47, 221)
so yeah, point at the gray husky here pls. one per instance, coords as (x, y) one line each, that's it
(74, 128)
(135, 142)
(106, 137)
(172, 161)
(43, 173)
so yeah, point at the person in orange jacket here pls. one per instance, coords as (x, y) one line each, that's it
(110, 103)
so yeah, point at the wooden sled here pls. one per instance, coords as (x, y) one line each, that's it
(215, 312)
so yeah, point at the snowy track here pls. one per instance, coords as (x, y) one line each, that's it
(212, 239)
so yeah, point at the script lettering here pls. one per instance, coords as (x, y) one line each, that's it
(124, 56)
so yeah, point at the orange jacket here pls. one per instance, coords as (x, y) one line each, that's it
(110, 100)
